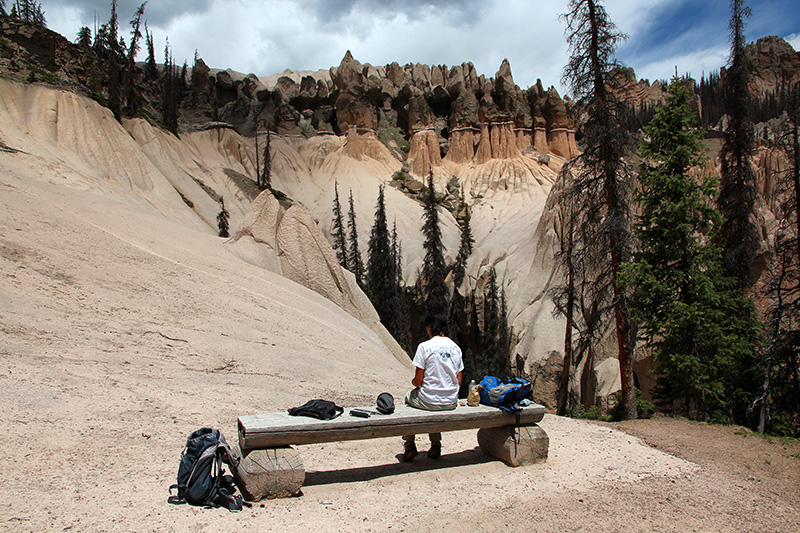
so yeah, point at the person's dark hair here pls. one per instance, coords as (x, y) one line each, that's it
(437, 323)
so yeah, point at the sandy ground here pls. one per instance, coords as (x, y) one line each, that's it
(122, 331)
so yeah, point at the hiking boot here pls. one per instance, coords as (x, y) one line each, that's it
(436, 450)
(410, 452)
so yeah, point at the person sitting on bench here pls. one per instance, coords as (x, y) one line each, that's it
(439, 368)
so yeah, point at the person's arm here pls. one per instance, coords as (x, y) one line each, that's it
(418, 376)
(459, 377)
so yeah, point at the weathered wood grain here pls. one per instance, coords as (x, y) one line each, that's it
(281, 429)
(269, 473)
(515, 446)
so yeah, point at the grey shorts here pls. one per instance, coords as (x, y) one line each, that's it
(413, 399)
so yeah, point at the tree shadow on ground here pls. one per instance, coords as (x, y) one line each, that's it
(420, 464)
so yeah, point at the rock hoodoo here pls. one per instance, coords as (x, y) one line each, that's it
(445, 113)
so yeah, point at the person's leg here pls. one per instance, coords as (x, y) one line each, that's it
(435, 450)
(409, 448)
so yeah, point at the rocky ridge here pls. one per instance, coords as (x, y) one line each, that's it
(495, 145)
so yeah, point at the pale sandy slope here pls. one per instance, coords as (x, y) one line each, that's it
(124, 326)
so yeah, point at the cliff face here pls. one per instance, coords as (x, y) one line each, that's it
(488, 142)
(446, 114)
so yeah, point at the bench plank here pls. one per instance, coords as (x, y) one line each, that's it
(280, 429)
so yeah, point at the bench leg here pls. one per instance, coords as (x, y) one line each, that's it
(515, 445)
(269, 473)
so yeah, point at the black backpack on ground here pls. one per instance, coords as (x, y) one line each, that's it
(201, 476)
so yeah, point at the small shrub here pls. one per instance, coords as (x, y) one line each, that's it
(593, 413)
(643, 408)
(36, 74)
(387, 135)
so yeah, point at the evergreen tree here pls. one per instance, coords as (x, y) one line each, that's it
(397, 259)
(564, 296)
(737, 191)
(397, 289)
(3, 8)
(182, 85)
(150, 68)
(353, 253)
(381, 276)
(702, 332)
(131, 93)
(504, 333)
(114, 60)
(169, 89)
(337, 229)
(778, 404)
(602, 175)
(464, 250)
(84, 39)
(265, 180)
(433, 288)
(491, 326)
(222, 220)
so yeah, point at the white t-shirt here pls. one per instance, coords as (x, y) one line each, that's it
(441, 360)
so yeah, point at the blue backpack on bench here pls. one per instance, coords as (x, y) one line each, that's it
(505, 392)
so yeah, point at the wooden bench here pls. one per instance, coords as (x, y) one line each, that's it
(271, 467)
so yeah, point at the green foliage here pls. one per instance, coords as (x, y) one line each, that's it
(390, 136)
(432, 285)
(601, 181)
(337, 229)
(704, 333)
(643, 407)
(84, 38)
(354, 260)
(36, 74)
(593, 413)
(382, 270)
(737, 194)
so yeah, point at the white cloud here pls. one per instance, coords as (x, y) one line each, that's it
(794, 40)
(268, 37)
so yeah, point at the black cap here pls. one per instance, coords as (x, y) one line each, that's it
(385, 403)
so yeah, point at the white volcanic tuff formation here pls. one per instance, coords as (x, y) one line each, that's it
(76, 143)
(147, 167)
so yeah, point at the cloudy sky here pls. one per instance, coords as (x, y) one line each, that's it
(268, 36)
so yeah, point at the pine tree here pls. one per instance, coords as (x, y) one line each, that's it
(337, 229)
(222, 220)
(397, 288)
(464, 250)
(150, 68)
(602, 175)
(564, 296)
(381, 277)
(353, 253)
(115, 57)
(737, 191)
(778, 402)
(504, 334)
(491, 326)
(685, 303)
(169, 89)
(432, 285)
(265, 180)
(84, 39)
(131, 93)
